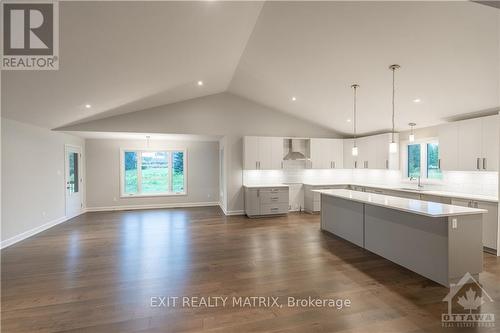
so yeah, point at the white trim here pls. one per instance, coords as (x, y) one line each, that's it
(37, 230)
(235, 212)
(153, 206)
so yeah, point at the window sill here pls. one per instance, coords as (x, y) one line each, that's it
(152, 195)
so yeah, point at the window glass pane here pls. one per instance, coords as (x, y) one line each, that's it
(131, 186)
(154, 173)
(433, 171)
(73, 172)
(414, 160)
(178, 171)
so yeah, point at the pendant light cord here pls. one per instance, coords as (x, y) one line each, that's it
(393, 93)
(354, 114)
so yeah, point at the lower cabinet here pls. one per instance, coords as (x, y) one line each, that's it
(312, 200)
(262, 201)
(490, 220)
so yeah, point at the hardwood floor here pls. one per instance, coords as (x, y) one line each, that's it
(98, 272)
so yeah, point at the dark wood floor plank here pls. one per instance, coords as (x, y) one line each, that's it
(97, 272)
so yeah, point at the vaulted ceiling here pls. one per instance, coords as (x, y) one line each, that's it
(129, 56)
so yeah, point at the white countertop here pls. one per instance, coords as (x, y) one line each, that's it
(448, 194)
(265, 185)
(426, 208)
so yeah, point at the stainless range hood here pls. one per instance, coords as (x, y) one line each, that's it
(296, 150)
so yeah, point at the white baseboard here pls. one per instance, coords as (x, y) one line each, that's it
(230, 212)
(34, 231)
(155, 206)
(235, 212)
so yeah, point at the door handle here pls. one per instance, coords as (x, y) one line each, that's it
(477, 163)
(484, 163)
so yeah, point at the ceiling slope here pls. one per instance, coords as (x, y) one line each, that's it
(448, 52)
(126, 56)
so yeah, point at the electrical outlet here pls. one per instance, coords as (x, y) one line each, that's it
(454, 223)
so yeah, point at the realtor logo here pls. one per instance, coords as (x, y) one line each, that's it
(464, 305)
(30, 35)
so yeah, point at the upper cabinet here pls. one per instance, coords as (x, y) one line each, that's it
(470, 145)
(373, 153)
(262, 153)
(326, 153)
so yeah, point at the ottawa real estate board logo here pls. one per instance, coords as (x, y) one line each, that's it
(30, 32)
(468, 305)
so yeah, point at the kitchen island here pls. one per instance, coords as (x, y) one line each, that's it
(439, 241)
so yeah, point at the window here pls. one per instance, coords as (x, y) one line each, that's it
(422, 160)
(73, 173)
(153, 172)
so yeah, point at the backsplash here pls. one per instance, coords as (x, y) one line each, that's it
(485, 183)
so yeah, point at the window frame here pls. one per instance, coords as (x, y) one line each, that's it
(139, 151)
(423, 160)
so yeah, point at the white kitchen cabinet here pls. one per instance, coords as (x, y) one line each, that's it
(261, 201)
(384, 159)
(490, 143)
(448, 147)
(470, 145)
(490, 220)
(349, 160)
(262, 153)
(326, 153)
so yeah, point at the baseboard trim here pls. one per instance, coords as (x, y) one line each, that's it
(155, 206)
(22, 236)
(235, 212)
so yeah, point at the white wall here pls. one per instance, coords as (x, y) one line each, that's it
(222, 114)
(33, 189)
(103, 170)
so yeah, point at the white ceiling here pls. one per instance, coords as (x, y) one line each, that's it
(127, 56)
(144, 136)
(448, 52)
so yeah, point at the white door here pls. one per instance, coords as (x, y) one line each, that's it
(448, 147)
(73, 180)
(265, 153)
(250, 152)
(469, 145)
(489, 145)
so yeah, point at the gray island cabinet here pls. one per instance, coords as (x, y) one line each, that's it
(439, 241)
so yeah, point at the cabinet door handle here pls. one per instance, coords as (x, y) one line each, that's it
(355, 164)
(274, 198)
(282, 164)
(256, 165)
(367, 164)
(484, 163)
(477, 163)
(274, 208)
(439, 163)
(387, 164)
(258, 193)
(333, 163)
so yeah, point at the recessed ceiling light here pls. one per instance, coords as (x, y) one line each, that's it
(294, 98)
(349, 120)
(88, 106)
(417, 100)
(200, 83)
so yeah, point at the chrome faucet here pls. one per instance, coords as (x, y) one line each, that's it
(419, 184)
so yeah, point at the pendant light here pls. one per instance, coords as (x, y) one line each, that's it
(411, 137)
(393, 146)
(355, 151)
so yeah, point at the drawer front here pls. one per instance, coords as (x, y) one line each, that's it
(278, 208)
(269, 197)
